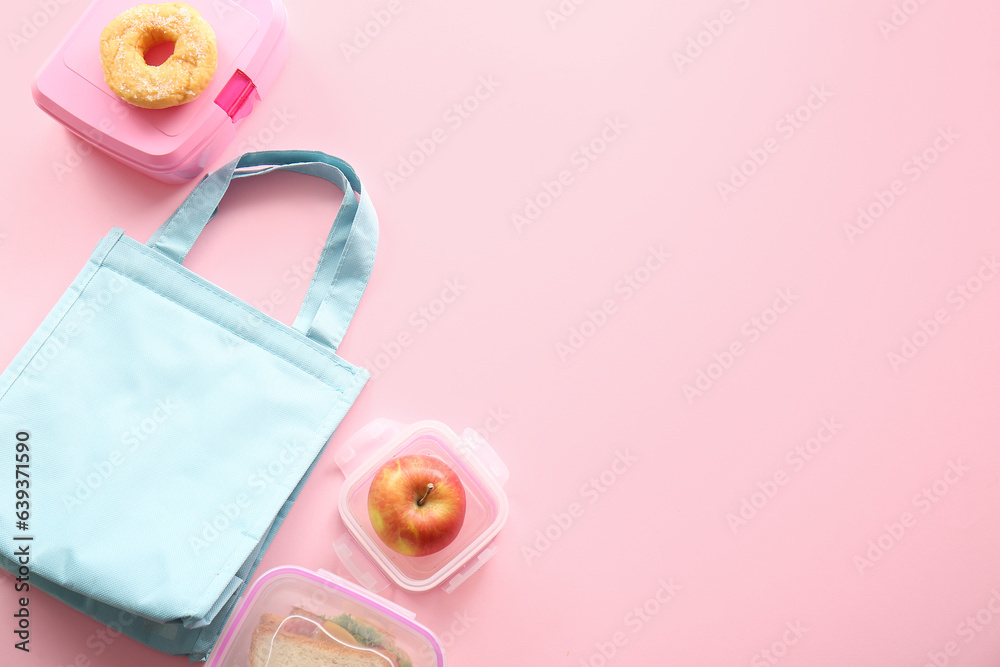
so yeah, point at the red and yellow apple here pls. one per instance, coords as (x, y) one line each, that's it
(416, 504)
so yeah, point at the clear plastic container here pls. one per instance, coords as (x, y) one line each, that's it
(292, 616)
(482, 474)
(177, 143)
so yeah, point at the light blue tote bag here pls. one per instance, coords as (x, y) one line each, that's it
(162, 428)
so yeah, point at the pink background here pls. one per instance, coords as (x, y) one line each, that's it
(787, 581)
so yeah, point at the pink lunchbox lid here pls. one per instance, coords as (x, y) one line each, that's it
(177, 143)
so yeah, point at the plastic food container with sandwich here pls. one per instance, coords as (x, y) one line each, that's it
(482, 473)
(292, 617)
(177, 143)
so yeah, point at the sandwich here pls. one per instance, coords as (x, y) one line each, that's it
(305, 639)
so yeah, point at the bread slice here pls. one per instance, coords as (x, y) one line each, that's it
(290, 650)
(383, 641)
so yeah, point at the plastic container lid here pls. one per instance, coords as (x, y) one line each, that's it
(482, 474)
(291, 616)
(176, 143)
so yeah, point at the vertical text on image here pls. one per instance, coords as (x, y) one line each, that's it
(22, 541)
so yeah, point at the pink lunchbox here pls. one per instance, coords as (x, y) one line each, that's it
(294, 616)
(175, 144)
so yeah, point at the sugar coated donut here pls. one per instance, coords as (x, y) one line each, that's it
(181, 78)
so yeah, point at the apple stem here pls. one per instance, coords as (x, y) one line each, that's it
(430, 487)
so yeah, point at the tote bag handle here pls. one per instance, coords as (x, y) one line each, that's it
(345, 264)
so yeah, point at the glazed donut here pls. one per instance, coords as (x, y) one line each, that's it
(181, 78)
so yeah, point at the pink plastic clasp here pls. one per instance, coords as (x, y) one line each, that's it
(238, 96)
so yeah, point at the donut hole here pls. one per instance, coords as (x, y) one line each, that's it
(158, 54)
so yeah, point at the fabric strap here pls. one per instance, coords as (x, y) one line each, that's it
(348, 253)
